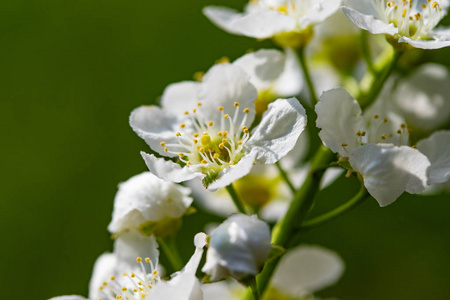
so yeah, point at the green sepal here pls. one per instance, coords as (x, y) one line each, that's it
(275, 252)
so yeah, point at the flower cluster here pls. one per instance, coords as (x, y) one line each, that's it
(252, 142)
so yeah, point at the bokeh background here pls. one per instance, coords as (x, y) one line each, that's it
(71, 72)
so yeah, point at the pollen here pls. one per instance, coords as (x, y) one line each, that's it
(124, 289)
(195, 134)
(225, 116)
(239, 142)
(155, 272)
(199, 104)
(221, 108)
(138, 259)
(216, 155)
(105, 283)
(165, 149)
(236, 104)
(210, 123)
(182, 125)
(112, 278)
(178, 133)
(376, 116)
(434, 5)
(124, 274)
(204, 161)
(186, 112)
(246, 110)
(344, 145)
(383, 137)
(181, 155)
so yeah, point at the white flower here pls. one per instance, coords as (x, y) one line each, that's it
(146, 198)
(206, 126)
(238, 248)
(423, 97)
(302, 271)
(376, 148)
(411, 22)
(113, 279)
(268, 18)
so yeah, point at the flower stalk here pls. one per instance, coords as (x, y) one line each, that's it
(236, 200)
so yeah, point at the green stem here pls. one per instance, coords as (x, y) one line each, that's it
(297, 212)
(285, 177)
(255, 292)
(359, 198)
(366, 51)
(170, 249)
(301, 57)
(234, 196)
(368, 97)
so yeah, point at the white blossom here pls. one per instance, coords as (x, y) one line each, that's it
(268, 18)
(206, 126)
(146, 198)
(115, 278)
(237, 248)
(377, 148)
(302, 271)
(411, 22)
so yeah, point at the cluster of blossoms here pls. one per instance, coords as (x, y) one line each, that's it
(242, 129)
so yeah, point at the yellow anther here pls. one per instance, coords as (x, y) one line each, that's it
(135, 290)
(211, 149)
(219, 133)
(181, 155)
(105, 283)
(244, 127)
(112, 278)
(118, 297)
(132, 275)
(376, 116)
(124, 289)
(404, 12)
(188, 163)
(434, 5)
(124, 274)
(162, 144)
(195, 141)
(138, 259)
(194, 110)
(153, 278)
(210, 123)
(344, 145)
(203, 162)
(195, 134)
(199, 104)
(202, 149)
(178, 133)
(239, 142)
(221, 146)
(246, 110)
(165, 149)
(358, 133)
(182, 125)
(414, 146)
(383, 137)
(390, 135)
(221, 108)
(222, 60)
(226, 116)
(399, 131)
(140, 283)
(216, 155)
(225, 133)
(205, 140)
(403, 125)
(224, 140)
(385, 120)
(149, 285)
(143, 296)
(155, 272)
(100, 288)
(246, 131)
(186, 112)
(424, 6)
(236, 104)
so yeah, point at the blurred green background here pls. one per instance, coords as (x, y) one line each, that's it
(71, 72)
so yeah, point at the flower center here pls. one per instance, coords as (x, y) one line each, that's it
(139, 287)
(381, 131)
(409, 21)
(293, 8)
(209, 147)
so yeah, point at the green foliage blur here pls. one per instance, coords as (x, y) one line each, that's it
(72, 71)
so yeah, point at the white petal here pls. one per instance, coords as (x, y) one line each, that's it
(290, 82)
(71, 297)
(168, 170)
(437, 149)
(274, 210)
(307, 269)
(130, 245)
(425, 44)
(145, 197)
(422, 98)
(389, 170)
(264, 66)
(154, 125)
(223, 85)
(368, 22)
(180, 97)
(339, 117)
(262, 24)
(222, 290)
(184, 286)
(104, 267)
(223, 17)
(233, 173)
(278, 131)
(319, 11)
